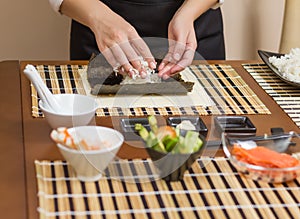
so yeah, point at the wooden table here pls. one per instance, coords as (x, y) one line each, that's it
(25, 139)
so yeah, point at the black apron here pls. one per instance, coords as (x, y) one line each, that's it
(150, 18)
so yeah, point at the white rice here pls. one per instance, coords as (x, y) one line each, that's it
(288, 65)
(151, 76)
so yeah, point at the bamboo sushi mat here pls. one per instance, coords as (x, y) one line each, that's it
(285, 95)
(224, 86)
(211, 189)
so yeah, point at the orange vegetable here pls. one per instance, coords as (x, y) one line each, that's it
(265, 157)
(163, 131)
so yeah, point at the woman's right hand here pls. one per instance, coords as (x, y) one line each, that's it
(121, 45)
(117, 40)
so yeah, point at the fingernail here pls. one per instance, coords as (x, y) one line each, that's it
(176, 56)
(131, 72)
(143, 74)
(161, 66)
(152, 65)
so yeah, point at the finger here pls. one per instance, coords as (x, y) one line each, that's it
(172, 68)
(119, 55)
(143, 50)
(110, 58)
(165, 72)
(167, 59)
(178, 51)
(127, 69)
(131, 55)
(121, 58)
(186, 60)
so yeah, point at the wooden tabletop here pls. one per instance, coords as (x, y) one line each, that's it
(25, 139)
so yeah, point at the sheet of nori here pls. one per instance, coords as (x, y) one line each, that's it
(170, 87)
(103, 80)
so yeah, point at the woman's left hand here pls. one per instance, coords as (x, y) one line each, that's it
(182, 46)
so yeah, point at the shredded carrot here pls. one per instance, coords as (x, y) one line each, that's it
(265, 157)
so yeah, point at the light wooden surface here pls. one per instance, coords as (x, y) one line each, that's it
(26, 139)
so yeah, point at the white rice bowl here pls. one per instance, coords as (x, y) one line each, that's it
(288, 65)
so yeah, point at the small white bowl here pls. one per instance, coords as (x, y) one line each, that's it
(89, 164)
(77, 110)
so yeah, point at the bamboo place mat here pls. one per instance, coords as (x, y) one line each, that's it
(285, 95)
(211, 189)
(224, 86)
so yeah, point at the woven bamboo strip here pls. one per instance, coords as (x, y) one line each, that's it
(210, 197)
(108, 203)
(78, 81)
(196, 198)
(55, 88)
(61, 188)
(136, 201)
(49, 204)
(66, 79)
(287, 198)
(226, 198)
(251, 97)
(241, 196)
(153, 200)
(40, 185)
(78, 201)
(273, 198)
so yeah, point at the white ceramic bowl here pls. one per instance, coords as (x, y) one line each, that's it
(77, 110)
(89, 165)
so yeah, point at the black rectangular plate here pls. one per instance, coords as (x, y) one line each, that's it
(128, 125)
(195, 120)
(265, 55)
(234, 124)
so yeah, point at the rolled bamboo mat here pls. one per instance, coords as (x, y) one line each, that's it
(285, 95)
(222, 83)
(130, 189)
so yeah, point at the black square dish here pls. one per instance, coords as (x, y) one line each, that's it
(128, 124)
(195, 120)
(172, 166)
(234, 124)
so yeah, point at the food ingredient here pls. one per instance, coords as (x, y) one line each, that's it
(288, 65)
(135, 78)
(186, 125)
(265, 157)
(169, 139)
(62, 136)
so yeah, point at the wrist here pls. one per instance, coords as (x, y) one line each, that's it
(98, 15)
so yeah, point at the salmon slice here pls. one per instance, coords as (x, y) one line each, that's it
(262, 156)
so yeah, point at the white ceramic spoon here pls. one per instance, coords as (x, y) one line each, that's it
(44, 93)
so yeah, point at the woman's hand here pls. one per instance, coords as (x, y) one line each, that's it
(117, 40)
(121, 45)
(182, 46)
(182, 37)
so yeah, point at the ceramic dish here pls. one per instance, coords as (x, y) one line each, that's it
(235, 124)
(265, 55)
(78, 110)
(90, 164)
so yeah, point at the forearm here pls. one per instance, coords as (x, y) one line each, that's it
(87, 12)
(192, 9)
